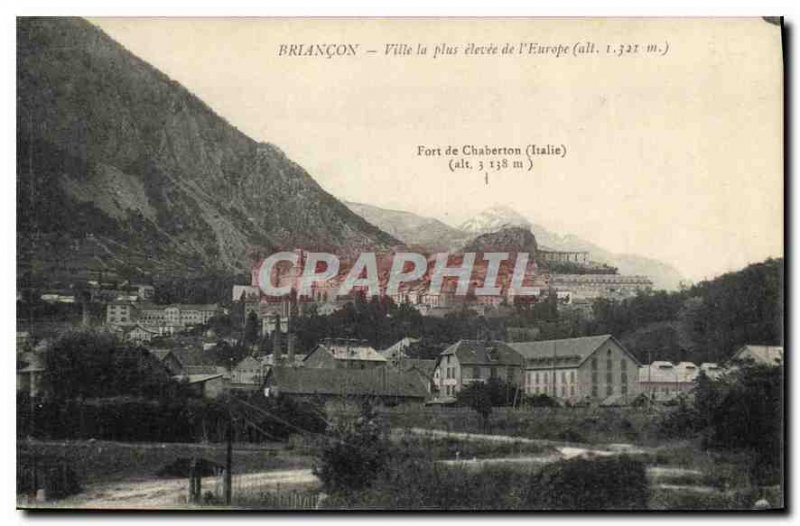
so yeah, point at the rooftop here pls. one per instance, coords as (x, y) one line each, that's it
(346, 382)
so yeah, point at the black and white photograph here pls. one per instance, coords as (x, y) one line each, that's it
(435, 264)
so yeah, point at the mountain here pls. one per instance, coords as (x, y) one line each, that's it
(493, 219)
(512, 239)
(412, 230)
(119, 166)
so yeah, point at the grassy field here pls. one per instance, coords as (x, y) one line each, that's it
(579, 424)
(100, 461)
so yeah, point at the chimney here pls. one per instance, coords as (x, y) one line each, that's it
(277, 343)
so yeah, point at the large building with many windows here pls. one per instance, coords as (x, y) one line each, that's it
(596, 368)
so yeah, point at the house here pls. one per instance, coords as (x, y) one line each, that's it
(759, 354)
(170, 361)
(140, 334)
(664, 381)
(712, 370)
(468, 361)
(250, 371)
(385, 384)
(121, 313)
(343, 354)
(573, 369)
(144, 292)
(397, 351)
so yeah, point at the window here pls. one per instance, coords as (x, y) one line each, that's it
(476, 372)
(594, 377)
(563, 390)
(624, 389)
(510, 373)
(536, 378)
(563, 377)
(609, 364)
(623, 364)
(594, 364)
(594, 391)
(624, 378)
(572, 390)
(609, 378)
(572, 377)
(544, 376)
(609, 390)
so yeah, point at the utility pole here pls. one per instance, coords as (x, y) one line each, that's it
(228, 460)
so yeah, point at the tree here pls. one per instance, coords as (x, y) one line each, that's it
(353, 454)
(87, 364)
(477, 396)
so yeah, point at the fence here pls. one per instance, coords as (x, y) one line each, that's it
(290, 490)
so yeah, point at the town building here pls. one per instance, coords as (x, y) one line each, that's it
(397, 352)
(140, 334)
(170, 361)
(759, 354)
(343, 354)
(576, 369)
(594, 286)
(121, 313)
(332, 386)
(468, 361)
(663, 381)
(249, 371)
(564, 256)
(159, 319)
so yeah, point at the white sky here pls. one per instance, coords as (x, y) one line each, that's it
(676, 157)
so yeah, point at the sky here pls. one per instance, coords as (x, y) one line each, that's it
(675, 154)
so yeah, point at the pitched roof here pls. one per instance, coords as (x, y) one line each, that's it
(346, 382)
(425, 367)
(398, 349)
(480, 352)
(350, 350)
(248, 362)
(161, 354)
(201, 378)
(767, 354)
(568, 351)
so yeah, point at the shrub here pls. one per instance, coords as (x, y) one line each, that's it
(541, 400)
(579, 484)
(352, 454)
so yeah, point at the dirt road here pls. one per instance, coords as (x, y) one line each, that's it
(172, 493)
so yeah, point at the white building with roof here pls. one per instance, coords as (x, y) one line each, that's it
(344, 354)
(759, 354)
(589, 368)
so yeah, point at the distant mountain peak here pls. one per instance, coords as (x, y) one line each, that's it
(494, 218)
(502, 220)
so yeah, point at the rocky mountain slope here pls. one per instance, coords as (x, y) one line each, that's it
(512, 239)
(497, 218)
(111, 149)
(412, 229)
